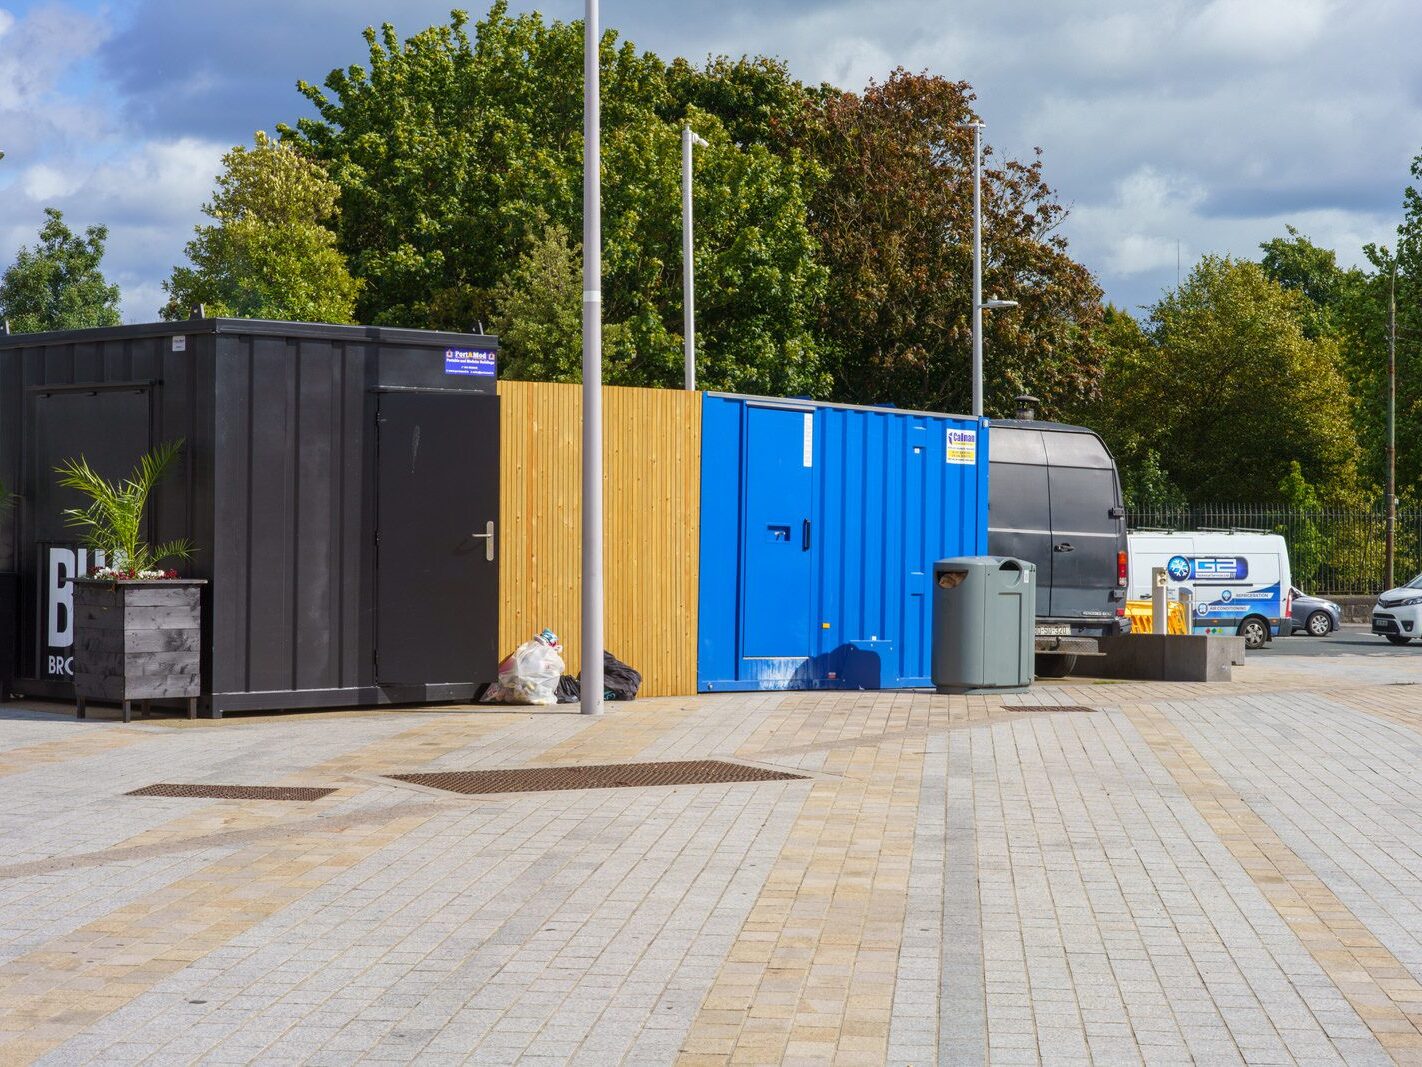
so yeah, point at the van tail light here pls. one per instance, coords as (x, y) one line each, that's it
(1121, 569)
(1120, 613)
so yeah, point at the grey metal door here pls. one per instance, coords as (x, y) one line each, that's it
(437, 510)
(1019, 502)
(1086, 526)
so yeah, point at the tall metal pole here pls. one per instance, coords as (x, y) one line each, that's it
(688, 261)
(592, 367)
(977, 270)
(1390, 548)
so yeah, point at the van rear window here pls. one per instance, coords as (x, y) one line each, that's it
(1076, 450)
(1015, 446)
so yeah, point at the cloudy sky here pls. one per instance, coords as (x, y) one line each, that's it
(1167, 125)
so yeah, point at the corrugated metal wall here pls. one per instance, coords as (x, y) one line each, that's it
(276, 488)
(819, 534)
(651, 488)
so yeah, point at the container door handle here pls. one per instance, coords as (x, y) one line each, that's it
(805, 535)
(488, 538)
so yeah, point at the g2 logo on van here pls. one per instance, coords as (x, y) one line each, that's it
(1221, 568)
(1208, 568)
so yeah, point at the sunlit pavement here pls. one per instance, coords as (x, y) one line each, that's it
(1222, 873)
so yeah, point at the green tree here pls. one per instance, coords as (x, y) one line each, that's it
(1145, 483)
(754, 97)
(1366, 315)
(1306, 547)
(894, 221)
(58, 285)
(1348, 305)
(458, 156)
(269, 254)
(538, 313)
(1113, 411)
(1297, 263)
(1230, 391)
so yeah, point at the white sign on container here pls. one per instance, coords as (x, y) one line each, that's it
(962, 446)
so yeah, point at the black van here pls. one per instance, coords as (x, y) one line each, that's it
(1054, 498)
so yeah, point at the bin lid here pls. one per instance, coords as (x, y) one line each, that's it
(985, 563)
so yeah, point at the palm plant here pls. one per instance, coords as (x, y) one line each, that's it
(113, 520)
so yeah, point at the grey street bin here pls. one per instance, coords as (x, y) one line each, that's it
(984, 616)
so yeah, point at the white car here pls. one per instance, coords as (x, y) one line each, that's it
(1398, 614)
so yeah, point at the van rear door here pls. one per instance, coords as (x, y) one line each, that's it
(1019, 514)
(1087, 525)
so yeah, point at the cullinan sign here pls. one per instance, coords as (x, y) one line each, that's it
(59, 564)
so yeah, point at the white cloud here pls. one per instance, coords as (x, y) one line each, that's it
(1139, 230)
(1152, 226)
(45, 182)
(1268, 31)
(149, 197)
(67, 146)
(36, 52)
(159, 181)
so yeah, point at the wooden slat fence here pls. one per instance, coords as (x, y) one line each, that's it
(651, 488)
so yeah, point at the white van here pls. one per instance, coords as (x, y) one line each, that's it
(1239, 582)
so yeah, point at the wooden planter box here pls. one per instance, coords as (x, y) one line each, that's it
(137, 640)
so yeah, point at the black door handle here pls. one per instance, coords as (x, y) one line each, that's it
(805, 535)
(1065, 546)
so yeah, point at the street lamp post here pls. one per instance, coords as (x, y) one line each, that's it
(688, 264)
(1390, 546)
(977, 128)
(979, 305)
(592, 367)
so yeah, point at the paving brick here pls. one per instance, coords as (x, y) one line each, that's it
(1217, 872)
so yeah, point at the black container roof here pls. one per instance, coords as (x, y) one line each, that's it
(396, 335)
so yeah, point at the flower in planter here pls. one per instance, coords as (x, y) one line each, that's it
(113, 520)
(128, 574)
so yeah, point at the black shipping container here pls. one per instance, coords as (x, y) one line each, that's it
(341, 484)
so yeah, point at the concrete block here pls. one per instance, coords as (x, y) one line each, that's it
(1166, 658)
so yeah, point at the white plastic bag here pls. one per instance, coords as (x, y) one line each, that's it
(530, 674)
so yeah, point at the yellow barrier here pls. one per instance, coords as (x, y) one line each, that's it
(1142, 612)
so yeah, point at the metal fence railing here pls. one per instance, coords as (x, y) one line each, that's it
(1332, 551)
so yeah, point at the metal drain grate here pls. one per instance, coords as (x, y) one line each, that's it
(232, 792)
(1039, 708)
(602, 776)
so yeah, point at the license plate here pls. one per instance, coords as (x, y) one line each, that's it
(1054, 630)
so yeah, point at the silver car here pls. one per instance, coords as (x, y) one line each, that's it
(1314, 615)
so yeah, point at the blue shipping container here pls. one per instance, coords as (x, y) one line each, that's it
(819, 527)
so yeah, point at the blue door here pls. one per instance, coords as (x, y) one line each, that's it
(778, 537)
(920, 500)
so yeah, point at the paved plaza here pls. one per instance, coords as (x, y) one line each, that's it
(1099, 872)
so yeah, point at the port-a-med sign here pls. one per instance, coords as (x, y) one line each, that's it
(469, 362)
